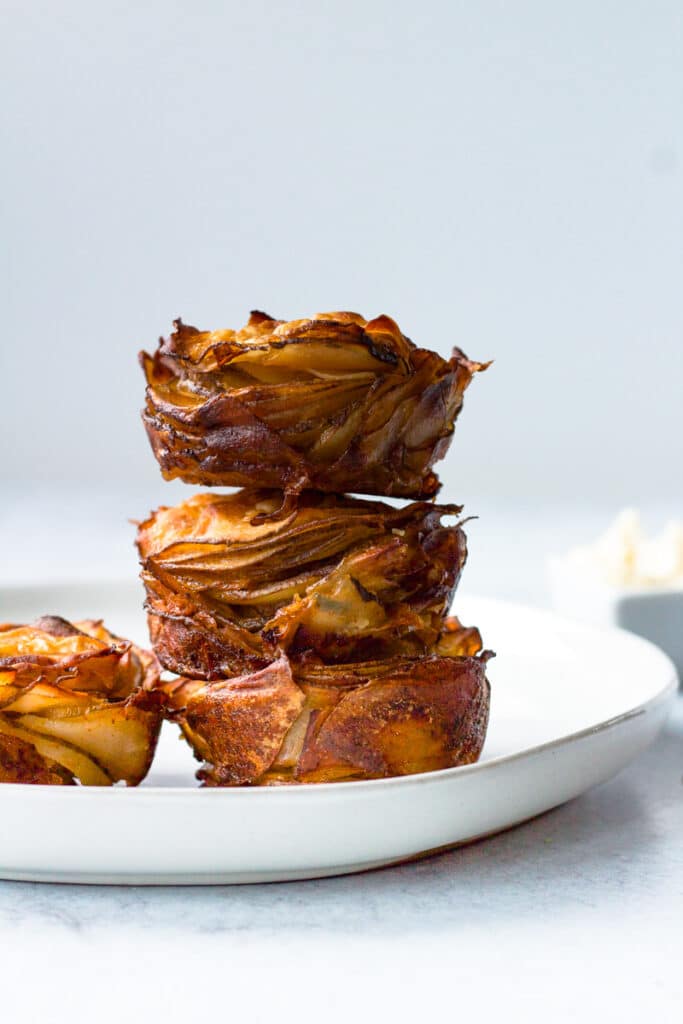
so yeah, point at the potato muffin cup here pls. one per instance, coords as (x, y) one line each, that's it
(77, 704)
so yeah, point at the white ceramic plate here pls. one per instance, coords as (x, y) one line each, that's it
(571, 706)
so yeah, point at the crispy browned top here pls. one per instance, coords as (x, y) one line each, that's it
(81, 656)
(206, 526)
(326, 342)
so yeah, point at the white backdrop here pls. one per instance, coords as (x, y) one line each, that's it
(504, 176)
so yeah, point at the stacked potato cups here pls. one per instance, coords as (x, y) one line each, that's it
(309, 630)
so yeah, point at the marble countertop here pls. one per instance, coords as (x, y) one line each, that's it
(575, 915)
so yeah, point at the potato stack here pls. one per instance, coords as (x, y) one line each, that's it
(309, 629)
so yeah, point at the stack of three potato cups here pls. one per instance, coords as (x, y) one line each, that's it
(309, 629)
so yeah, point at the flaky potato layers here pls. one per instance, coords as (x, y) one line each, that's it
(333, 403)
(76, 704)
(230, 586)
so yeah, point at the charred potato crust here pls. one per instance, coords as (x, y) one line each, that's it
(314, 723)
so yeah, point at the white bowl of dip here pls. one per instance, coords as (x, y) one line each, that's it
(626, 579)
